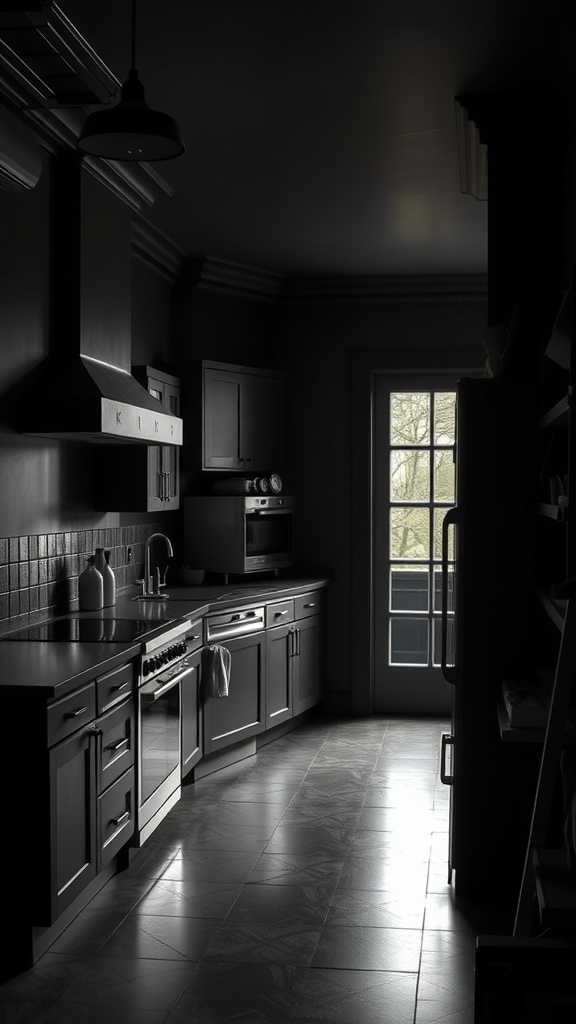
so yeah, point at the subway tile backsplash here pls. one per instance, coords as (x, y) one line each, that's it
(40, 573)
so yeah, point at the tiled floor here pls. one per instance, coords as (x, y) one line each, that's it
(306, 883)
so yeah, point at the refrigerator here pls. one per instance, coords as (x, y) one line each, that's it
(487, 629)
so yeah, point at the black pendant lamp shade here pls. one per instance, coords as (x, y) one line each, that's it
(131, 130)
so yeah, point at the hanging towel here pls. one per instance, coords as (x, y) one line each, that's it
(216, 670)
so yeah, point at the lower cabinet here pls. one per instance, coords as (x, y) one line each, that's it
(191, 711)
(91, 806)
(279, 674)
(306, 664)
(240, 715)
(73, 840)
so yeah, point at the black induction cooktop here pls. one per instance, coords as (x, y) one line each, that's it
(81, 630)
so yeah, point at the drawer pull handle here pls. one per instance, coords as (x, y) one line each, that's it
(120, 686)
(195, 636)
(312, 604)
(116, 746)
(121, 820)
(75, 714)
(285, 612)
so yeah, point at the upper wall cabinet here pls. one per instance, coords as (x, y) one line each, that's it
(242, 418)
(143, 478)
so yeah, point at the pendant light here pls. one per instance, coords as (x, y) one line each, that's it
(131, 130)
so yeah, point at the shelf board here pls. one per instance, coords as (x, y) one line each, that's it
(558, 414)
(551, 511)
(517, 734)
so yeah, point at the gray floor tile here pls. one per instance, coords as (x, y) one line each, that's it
(223, 991)
(306, 883)
(357, 997)
(368, 949)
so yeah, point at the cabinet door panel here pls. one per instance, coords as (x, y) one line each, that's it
(240, 714)
(72, 820)
(306, 664)
(191, 716)
(261, 422)
(279, 658)
(221, 419)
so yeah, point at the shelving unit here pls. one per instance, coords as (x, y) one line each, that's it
(547, 898)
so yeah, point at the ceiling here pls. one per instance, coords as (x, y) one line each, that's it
(320, 134)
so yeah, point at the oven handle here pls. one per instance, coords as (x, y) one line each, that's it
(268, 512)
(165, 687)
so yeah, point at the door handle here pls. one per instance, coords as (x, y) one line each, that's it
(448, 671)
(445, 776)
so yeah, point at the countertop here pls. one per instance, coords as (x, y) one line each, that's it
(54, 669)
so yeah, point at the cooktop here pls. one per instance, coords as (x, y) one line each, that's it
(88, 630)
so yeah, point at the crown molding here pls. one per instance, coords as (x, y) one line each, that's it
(50, 77)
(157, 253)
(210, 274)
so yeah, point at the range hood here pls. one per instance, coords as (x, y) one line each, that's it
(84, 389)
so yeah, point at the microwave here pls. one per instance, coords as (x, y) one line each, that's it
(238, 533)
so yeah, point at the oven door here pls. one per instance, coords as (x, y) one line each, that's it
(159, 758)
(268, 535)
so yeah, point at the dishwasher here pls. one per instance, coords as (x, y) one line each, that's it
(239, 716)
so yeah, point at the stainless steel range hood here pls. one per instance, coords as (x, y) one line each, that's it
(84, 390)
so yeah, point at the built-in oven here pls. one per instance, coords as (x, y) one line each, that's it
(238, 533)
(162, 668)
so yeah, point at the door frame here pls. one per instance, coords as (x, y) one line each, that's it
(366, 367)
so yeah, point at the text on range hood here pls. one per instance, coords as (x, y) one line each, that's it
(84, 390)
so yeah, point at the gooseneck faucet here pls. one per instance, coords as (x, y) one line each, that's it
(149, 589)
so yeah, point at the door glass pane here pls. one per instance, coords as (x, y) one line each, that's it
(444, 417)
(409, 532)
(409, 475)
(409, 588)
(444, 475)
(410, 418)
(422, 489)
(408, 641)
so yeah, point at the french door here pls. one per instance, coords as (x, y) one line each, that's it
(414, 487)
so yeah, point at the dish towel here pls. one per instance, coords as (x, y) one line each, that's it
(217, 670)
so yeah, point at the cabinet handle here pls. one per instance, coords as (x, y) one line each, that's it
(120, 686)
(116, 746)
(121, 820)
(75, 714)
(195, 636)
(312, 604)
(297, 641)
(278, 614)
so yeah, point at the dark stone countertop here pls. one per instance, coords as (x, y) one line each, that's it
(53, 669)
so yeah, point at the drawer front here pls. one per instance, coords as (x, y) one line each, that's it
(71, 713)
(194, 638)
(308, 604)
(279, 612)
(114, 686)
(116, 817)
(116, 743)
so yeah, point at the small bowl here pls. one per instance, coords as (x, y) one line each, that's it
(193, 577)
